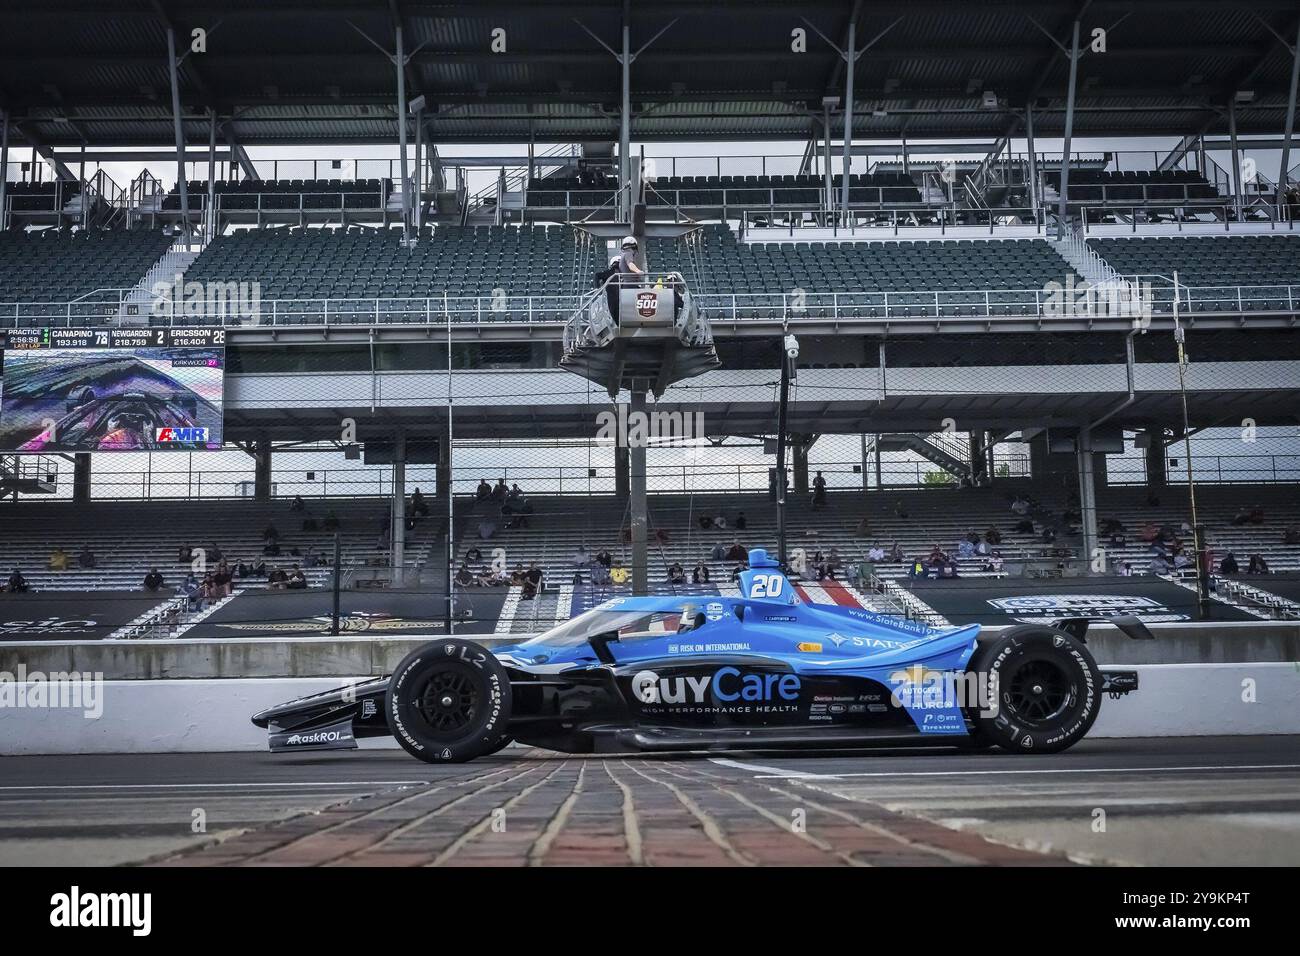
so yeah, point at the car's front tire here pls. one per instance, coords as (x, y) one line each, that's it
(1048, 689)
(449, 701)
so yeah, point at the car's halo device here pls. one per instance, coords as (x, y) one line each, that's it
(765, 670)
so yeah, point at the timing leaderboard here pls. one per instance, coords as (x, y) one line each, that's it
(21, 339)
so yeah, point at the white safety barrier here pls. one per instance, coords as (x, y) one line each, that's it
(198, 716)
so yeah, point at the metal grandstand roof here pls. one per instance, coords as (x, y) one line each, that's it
(290, 71)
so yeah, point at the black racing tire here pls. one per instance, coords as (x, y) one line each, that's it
(1048, 687)
(505, 742)
(449, 701)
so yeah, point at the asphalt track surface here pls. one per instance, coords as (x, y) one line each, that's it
(1159, 801)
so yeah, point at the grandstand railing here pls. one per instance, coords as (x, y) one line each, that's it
(1182, 216)
(551, 480)
(1216, 469)
(864, 223)
(103, 307)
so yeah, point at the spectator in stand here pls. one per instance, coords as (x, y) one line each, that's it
(676, 573)
(1112, 526)
(532, 582)
(1020, 506)
(473, 555)
(819, 491)
(900, 510)
(87, 557)
(17, 583)
(700, 573)
(1256, 515)
(1257, 565)
(863, 528)
(741, 524)
(464, 578)
(1242, 517)
(297, 580)
(153, 581)
(259, 569)
(604, 558)
(965, 549)
(600, 574)
(58, 560)
(993, 536)
(581, 558)
(897, 554)
(193, 592)
(1149, 532)
(719, 552)
(1125, 569)
(270, 534)
(875, 554)
(994, 562)
(500, 491)
(183, 556)
(1228, 565)
(298, 504)
(331, 522)
(222, 580)
(311, 559)
(1160, 564)
(277, 579)
(737, 551)
(215, 554)
(720, 521)
(483, 491)
(419, 507)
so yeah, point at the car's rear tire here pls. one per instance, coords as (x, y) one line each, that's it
(449, 701)
(1048, 689)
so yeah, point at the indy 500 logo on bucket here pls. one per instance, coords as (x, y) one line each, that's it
(1032, 608)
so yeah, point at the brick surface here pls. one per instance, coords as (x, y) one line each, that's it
(547, 810)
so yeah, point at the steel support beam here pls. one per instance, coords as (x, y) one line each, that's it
(4, 166)
(1062, 210)
(637, 502)
(850, 61)
(625, 124)
(400, 63)
(211, 216)
(419, 169)
(1290, 120)
(1236, 157)
(179, 132)
(398, 539)
(1033, 158)
(826, 159)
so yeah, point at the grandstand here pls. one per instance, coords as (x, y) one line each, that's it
(413, 307)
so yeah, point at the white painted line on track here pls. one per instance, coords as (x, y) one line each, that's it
(763, 770)
(215, 784)
(778, 773)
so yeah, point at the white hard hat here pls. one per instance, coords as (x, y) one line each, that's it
(629, 241)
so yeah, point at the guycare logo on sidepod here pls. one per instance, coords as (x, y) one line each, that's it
(726, 685)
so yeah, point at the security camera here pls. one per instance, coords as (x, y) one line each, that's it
(792, 346)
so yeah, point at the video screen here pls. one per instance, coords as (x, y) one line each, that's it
(148, 390)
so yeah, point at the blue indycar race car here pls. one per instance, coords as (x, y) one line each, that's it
(765, 670)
